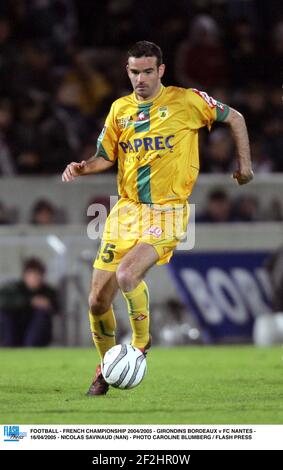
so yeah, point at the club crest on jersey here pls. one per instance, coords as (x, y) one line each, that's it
(163, 112)
(124, 122)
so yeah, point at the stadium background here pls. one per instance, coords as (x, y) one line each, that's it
(61, 66)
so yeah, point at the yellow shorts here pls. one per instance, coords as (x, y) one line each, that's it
(130, 223)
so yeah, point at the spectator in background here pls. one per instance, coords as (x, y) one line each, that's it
(7, 54)
(34, 68)
(273, 127)
(262, 162)
(43, 213)
(7, 167)
(90, 145)
(91, 85)
(4, 215)
(218, 208)
(175, 327)
(245, 54)
(254, 107)
(27, 137)
(274, 211)
(200, 59)
(274, 267)
(29, 161)
(68, 114)
(274, 56)
(245, 209)
(55, 20)
(219, 153)
(26, 308)
(42, 140)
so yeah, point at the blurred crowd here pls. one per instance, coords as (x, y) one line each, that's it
(219, 207)
(62, 63)
(43, 212)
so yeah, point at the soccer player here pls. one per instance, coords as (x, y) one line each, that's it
(153, 133)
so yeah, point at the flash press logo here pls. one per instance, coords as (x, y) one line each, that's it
(13, 433)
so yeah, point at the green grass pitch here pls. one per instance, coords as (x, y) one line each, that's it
(193, 385)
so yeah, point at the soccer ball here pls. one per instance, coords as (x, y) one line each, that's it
(123, 366)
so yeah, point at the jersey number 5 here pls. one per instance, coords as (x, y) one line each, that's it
(107, 254)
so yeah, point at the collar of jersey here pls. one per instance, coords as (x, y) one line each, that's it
(162, 88)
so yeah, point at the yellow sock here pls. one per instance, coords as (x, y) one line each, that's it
(138, 309)
(103, 329)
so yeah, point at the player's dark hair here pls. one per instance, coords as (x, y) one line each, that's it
(146, 49)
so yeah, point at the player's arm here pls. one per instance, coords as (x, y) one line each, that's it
(89, 167)
(244, 174)
(204, 110)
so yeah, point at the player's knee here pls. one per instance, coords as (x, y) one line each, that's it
(126, 279)
(98, 304)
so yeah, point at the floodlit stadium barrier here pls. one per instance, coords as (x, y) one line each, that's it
(68, 254)
(74, 198)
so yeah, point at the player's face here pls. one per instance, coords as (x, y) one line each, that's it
(145, 76)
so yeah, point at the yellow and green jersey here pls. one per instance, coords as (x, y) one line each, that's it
(156, 142)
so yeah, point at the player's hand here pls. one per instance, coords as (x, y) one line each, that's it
(243, 176)
(39, 301)
(73, 170)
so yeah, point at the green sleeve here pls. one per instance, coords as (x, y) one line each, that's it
(222, 111)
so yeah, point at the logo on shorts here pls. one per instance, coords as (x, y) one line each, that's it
(155, 231)
(140, 317)
(96, 336)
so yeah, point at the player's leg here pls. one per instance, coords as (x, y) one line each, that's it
(102, 320)
(130, 273)
(104, 285)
